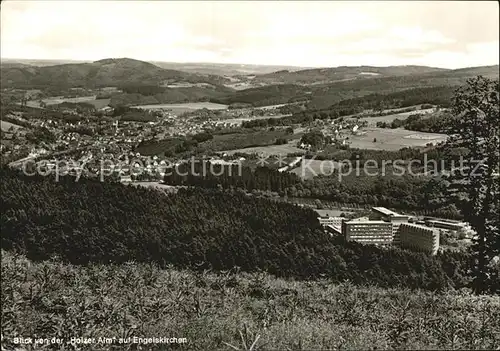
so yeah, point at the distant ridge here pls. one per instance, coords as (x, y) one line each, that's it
(124, 61)
(320, 87)
(105, 72)
(333, 74)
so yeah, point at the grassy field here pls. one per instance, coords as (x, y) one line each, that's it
(238, 121)
(372, 121)
(311, 168)
(59, 99)
(271, 162)
(269, 150)
(236, 142)
(231, 310)
(99, 103)
(5, 126)
(185, 107)
(392, 139)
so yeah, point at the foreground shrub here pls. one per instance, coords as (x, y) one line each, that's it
(213, 310)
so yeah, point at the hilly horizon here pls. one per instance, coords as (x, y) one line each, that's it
(321, 87)
(100, 73)
(332, 74)
(238, 68)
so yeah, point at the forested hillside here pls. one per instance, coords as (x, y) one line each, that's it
(230, 176)
(167, 95)
(315, 75)
(267, 95)
(332, 93)
(90, 221)
(440, 96)
(323, 96)
(102, 73)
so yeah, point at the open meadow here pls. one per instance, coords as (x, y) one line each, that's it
(184, 107)
(240, 120)
(392, 139)
(310, 168)
(269, 150)
(97, 103)
(372, 121)
(5, 126)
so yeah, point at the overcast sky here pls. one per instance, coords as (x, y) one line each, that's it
(441, 34)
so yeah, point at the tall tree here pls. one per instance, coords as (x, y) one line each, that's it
(475, 186)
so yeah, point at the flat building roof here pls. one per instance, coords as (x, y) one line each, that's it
(385, 211)
(366, 222)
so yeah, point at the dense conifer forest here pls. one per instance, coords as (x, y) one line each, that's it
(208, 175)
(90, 221)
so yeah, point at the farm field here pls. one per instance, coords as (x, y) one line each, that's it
(59, 99)
(240, 85)
(185, 107)
(270, 107)
(238, 121)
(393, 139)
(219, 143)
(401, 115)
(372, 121)
(310, 168)
(98, 103)
(269, 150)
(5, 126)
(271, 162)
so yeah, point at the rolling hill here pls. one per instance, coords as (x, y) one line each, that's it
(326, 95)
(224, 69)
(266, 95)
(323, 95)
(107, 72)
(325, 75)
(171, 95)
(320, 87)
(38, 63)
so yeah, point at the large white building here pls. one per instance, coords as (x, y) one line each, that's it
(419, 238)
(396, 219)
(368, 232)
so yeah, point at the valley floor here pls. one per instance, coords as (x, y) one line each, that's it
(213, 311)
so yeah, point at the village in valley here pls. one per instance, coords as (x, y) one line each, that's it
(83, 134)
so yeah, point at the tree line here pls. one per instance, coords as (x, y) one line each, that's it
(208, 175)
(440, 96)
(435, 123)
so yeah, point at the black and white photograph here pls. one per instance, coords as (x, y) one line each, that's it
(249, 175)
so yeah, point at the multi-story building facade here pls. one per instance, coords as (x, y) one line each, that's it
(396, 222)
(368, 232)
(396, 219)
(419, 238)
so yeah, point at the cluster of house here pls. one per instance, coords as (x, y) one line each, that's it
(386, 227)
